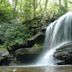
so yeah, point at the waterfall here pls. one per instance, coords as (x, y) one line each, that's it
(58, 33)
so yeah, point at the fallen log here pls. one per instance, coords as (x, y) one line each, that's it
(27, 44)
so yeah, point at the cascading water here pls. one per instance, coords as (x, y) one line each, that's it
(58, 34)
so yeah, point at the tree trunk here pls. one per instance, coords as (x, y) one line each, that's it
(14, 8)
(34, 8)
(46, 5)
(60, 7)
(66, 5)
(21, 6)
(40, 7)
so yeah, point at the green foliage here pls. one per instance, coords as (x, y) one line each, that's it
(5, 11)
(16, 33)
(13, 33)
(34, 14)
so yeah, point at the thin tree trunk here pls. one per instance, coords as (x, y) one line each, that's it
(26, 3)
(34, 8)
(60, 7)
(14, 8)
(46, 5)
(66, 4)
(60, 3)
(40, 6)
(21, 6)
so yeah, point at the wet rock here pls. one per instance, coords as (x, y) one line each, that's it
(4, 59)
(26, 58)
(27, 55)
(64, 54)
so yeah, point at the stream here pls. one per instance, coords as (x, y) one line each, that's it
(37, 69)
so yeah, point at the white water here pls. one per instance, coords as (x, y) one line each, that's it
(58, 33)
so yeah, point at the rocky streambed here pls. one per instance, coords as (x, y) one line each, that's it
(26, 56)
(20, 57)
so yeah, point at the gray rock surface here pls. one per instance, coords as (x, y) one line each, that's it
(64, 54)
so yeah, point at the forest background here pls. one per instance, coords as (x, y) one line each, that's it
(22, 19)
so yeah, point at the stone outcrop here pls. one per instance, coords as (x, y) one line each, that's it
(4, 58)
(64, 54)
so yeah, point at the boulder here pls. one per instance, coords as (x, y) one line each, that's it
(27, 55)
(4, 58)
(64, 54)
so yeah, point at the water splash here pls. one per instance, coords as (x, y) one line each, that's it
(47, 57)
(58, 34)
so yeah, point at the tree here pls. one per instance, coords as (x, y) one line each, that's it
(46, 5)
(14, 7)
(66, 5)
(34, 8)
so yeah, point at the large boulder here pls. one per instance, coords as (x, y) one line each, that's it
(27, 55)
(4, 58)
(64, 54)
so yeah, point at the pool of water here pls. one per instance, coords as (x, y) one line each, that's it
(58, 68)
